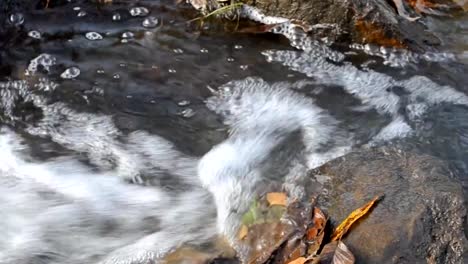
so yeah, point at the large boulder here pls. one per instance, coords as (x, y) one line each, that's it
(421, 218)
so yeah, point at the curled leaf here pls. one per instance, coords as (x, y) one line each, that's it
(343, 228)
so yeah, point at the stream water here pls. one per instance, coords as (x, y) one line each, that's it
(106, 110)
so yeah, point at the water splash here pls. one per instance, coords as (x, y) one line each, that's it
(264, 121)
(74, 219)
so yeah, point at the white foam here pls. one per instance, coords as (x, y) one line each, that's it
(261, 116)
(372, 88)
(60, 208)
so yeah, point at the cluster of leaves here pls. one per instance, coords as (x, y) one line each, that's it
(277, 232)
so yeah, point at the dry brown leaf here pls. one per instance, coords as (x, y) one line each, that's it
(319, 220)
(243, 231)
(300, 260)
(336, 252)
(316, 232)
(276, 198)
(343, 228)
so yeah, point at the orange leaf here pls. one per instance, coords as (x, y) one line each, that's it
(343, 228)
(319, 221)
(276, 198)
(316, 232)
(243, 232)
(300, 260)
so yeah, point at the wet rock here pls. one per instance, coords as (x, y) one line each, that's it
(358, 21)
(386, 23)
(421, 218)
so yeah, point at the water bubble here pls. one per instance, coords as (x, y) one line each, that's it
(183, 103)
(244, 67)
(238, 47)
(178, 51)
(45, 60)
(187, 113)
(127, 35)
(230, 59)
(93, 36)
(70, 73)
(203, 50)
(16, 19)
(34, 34)
(153, 101)
(81, 14)
(100, 71)
(129, 96)
(172, 70)
(77, 8)
(124, 41)
(139, 11)
(116, 17)
(150, 22)
(116, 76)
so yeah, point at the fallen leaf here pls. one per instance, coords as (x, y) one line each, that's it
(244, 230)
(316, 232)
(336, 252)
(300, 260)
(276, 198)
(319, 220)
(343, 228)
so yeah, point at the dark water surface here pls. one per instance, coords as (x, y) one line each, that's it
(152, 72)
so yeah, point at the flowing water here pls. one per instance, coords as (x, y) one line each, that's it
(106, 111)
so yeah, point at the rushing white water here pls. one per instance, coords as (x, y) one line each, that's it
(86, 215)
(63, 212)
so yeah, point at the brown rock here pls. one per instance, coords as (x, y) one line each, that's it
(420, 219)
(361, 21)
